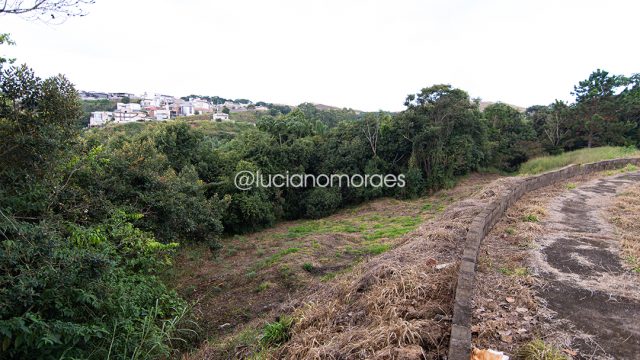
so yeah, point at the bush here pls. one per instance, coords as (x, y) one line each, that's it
(77, 291)
(321, 202)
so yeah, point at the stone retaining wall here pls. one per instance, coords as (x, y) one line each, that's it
(460, 342)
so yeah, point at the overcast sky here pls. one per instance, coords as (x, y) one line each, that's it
(367, 55)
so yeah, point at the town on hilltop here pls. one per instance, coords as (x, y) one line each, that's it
(159, 107)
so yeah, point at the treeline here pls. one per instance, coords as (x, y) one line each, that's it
(606, 112)
(89, 218)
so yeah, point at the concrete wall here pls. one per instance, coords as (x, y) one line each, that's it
(460, 342)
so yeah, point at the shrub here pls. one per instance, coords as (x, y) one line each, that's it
(106, 297)
(321, 202)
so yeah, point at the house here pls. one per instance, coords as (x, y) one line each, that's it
(120, 95)
(99, 118)
(220, 116)
(161, 114)
(186, 109)
(128, 107)
(125, 116)
(92, 95)
(201, 106)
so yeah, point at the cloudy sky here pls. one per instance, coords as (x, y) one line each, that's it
(362, 54)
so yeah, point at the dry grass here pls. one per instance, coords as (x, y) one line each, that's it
(625, 215)
(397, 305)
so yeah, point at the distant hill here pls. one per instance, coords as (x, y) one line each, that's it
(329, 107)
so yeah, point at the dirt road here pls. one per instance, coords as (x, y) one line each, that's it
(585, 281)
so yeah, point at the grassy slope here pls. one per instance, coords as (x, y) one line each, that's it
(582, 156)
(254, 274)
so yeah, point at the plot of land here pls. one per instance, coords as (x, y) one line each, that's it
(254, 275)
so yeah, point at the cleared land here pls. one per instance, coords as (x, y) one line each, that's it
(258, 277)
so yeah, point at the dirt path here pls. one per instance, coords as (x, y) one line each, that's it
(586, 284)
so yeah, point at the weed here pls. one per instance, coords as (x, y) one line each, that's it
(377, 249)
(571, 186)
(250, 275)
(285, 271)
(277, 333)
(263, 286)
(531, 218)
(519, 271)
(539, 350)
(308, 267)
(510, 231)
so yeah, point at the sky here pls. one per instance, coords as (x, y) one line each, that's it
(366, 55)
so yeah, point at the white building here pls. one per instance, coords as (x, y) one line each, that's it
(162, 114)
(220, 116)
(186, 109)
(128, 107)
(200, 106)
(99, 118)
(128, 116)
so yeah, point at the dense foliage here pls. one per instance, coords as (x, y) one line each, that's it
(77, 278)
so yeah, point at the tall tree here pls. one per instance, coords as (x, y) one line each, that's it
(594, 104)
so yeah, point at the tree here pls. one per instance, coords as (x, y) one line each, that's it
(512, 137)
(371, 130)
(6, 39)
(595, 104)
(45, 10)
(554, 127)
(446, 133)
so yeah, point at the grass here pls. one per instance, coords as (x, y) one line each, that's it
(582, 156)
(531, 218)
(273, 259)
(539, 350)
(518, 271)
(628, 168)
(370, 249)
(625, 215)
(277, 332)
(372, 227)
(263, 286)
(308, 267)
(571, 186)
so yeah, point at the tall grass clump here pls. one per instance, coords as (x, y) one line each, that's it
(582, 156)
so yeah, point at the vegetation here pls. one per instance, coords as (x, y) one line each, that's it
(625, 215)
(539, 350)
(582, 156)
(89, 219)
(277, 332)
